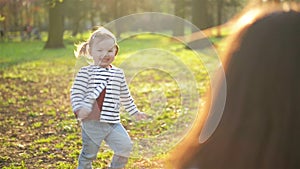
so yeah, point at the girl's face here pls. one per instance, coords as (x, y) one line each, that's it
(103, 52)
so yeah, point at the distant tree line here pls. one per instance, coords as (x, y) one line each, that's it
(56, 16)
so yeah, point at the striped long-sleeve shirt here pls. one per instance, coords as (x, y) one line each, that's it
(90, 82)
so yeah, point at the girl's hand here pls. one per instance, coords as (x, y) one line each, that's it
(140, 116)
(83, 113)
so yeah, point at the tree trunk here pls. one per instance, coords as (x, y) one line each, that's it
(219, 17)
(200, 14)
(116, 15)
(56, 27)
(75, 29)
(180, 12)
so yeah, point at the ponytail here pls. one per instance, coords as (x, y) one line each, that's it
(81, 49)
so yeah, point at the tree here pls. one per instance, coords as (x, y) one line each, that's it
(179, 10)
(76, 11)
(200, 14)
(221, 5)
(56, 25)
(122, 8)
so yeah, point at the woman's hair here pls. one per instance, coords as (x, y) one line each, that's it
(261, 118)
(99, 33)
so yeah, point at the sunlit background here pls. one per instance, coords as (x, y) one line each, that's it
(37, 66)
(18, 17)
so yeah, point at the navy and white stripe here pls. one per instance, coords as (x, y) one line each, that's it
(90, 82)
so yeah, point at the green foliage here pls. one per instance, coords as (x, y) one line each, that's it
(2, 18)
(37, 123)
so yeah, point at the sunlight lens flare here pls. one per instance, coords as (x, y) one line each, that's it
(172, 96)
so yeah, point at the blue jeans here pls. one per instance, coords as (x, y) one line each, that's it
(115, 135)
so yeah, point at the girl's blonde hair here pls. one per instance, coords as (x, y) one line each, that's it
(100, 33)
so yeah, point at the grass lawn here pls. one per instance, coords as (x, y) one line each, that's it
(38, 128)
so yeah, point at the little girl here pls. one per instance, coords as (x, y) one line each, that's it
(96, 96)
